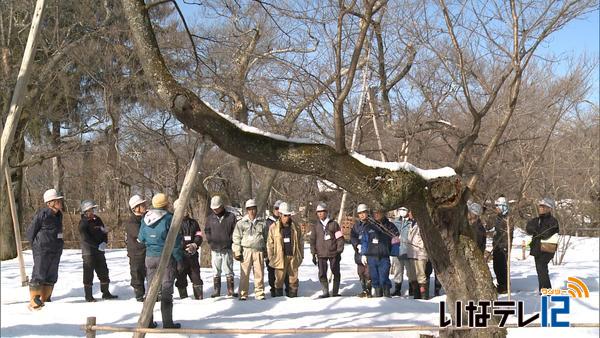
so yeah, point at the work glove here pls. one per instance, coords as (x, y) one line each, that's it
(314, 260)
(191, 248)
(363, 260)
(358, 246)
(102, 246)
(180, 267)
(238, 257)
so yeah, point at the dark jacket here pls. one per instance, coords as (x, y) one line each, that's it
(153, 233)
(377, 238)
(539, 228)
(328, 242)
(91, 234)
(219, 230)
(480, 235)
(45, 234)
(356, 239)
(132, 229)
(190, 233)
(500, 240)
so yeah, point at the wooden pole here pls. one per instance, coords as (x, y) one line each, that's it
(363, 329)
(17, 228)
(184, 196)
(524, 249)
(508, 257)
(90, 330)
(370, 96)
(14, 112)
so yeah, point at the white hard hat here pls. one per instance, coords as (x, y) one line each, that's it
(501, 201)
(87, 205)
(321, 207)
(362, 208)
(216, 202)
(277, 204)
(135, 200)
(475, 209)
(51, 195)
(547, 201)
(402, 211)
(284, 209)
(251, 203)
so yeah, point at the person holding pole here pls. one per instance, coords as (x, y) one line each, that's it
(502, 241)
(45, 234)
(153, 234)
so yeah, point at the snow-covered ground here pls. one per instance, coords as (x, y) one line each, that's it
(64, 316)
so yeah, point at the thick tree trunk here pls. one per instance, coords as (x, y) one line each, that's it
(245, 181)
(8, 247)
(264, 189)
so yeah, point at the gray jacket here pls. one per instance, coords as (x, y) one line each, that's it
(250, 235)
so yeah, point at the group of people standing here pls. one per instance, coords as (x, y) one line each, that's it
(277, 243)
(540, 229)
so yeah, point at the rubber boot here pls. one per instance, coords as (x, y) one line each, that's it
(182, 293)
(293, 293)
(423, 291)
(230, 291)
(87, 289)
(35, 297)
(414, 286)
(369, 288)
(378, 292)
(198, 294)
(278, 292)
(216, 287)
(397, 289)
(152, 324)
(336, 288)
(325, 288)
(139, 294)
(105, 293)
(386, 292)
(47, 293)
(166, 310)
(411, 288)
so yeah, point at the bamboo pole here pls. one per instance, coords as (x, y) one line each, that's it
(14, 112)
(508, 257)
(370, 95)
(184, 196)
(17, 228)
(406, 328)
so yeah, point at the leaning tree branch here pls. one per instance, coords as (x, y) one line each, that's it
(276, 153)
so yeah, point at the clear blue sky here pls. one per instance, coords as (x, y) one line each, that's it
(579, 37)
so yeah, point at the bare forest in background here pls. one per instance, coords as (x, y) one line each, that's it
(93, 128)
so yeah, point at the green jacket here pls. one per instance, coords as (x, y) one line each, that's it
(249, 235)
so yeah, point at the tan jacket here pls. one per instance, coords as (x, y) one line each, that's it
(275, 246)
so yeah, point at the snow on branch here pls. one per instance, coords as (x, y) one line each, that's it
(395, 166)
(257, 131)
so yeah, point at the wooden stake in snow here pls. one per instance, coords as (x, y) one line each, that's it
(184, 196)
(15, 219)
(14, 112)
(508, 257)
